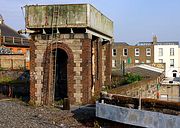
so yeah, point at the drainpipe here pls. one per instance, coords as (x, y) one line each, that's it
(97, 47)
(139, 107)
(123, 67)
(93, 69)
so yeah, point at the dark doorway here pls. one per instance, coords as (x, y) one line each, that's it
(60, 64)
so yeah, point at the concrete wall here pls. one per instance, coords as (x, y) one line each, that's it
(68, 16)
(12, 61)
(170, 92)
(136, 117)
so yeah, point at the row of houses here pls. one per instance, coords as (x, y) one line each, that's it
(154, 52)
(14, 48)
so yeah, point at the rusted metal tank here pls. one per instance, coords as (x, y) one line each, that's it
(68, 16)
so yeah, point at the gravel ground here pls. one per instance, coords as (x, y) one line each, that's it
(17, 114)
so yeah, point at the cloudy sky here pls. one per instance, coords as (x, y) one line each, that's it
(134, 20)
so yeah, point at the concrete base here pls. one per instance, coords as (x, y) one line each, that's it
(136, 117)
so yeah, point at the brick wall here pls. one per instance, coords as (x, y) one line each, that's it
(146, 88)
(78, 48)
(119, 57)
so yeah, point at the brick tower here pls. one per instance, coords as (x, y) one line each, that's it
(70, 52)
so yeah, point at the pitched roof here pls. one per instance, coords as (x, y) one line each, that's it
(159, 43)
(9, 34)
(7, 31)
(121, 43)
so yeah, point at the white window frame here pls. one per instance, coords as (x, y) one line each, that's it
(113, 63)
(114, 52)
(160, 51)
(124, 51)
(137, 51)
(19, 51)
(160, 60)
(148, 61)
(27, 55)
(171, 51)
(171, 62)
(148, 51)
(136, 61)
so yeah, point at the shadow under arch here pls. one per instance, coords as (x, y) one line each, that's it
(49, 88)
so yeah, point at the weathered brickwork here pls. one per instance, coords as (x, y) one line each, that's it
(81, 84)
(103, 63)
(108, 63)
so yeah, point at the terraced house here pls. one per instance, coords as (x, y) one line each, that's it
(17, 43)
(152, 53)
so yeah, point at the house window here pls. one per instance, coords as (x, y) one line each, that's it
(171, 51)
(148, 52)
(171, 62)
(148, 61)
(27, 55)
(136, 51)
(19, 51)
(160, 60)
(113, 63)
(136, 61)
(160, 52)
(125, 52)
(114, 52)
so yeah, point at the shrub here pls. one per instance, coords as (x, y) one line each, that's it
(131, 78)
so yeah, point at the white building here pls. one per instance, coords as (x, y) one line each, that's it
(168, 53)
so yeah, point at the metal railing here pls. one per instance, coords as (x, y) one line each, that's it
(13, 40)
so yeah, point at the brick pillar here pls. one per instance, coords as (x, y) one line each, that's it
(86, 70)
(97, 45)
(32, 74)
(108, 63)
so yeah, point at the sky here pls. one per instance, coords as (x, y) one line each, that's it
(134, 20)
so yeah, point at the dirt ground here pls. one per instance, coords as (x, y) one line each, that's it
(17, 114)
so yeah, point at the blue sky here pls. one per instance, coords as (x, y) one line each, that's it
(134, 20)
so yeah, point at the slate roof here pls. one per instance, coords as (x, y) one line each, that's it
(9, 33)
(159, 43)
(121, 43)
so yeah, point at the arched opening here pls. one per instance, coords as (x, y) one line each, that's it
(174, 73)
(60, 71)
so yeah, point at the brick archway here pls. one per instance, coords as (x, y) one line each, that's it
(48, 87)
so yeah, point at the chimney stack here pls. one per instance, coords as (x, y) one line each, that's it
(154, 39)
(1, 19)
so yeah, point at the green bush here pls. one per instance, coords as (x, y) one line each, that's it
(5, 79)
(1, 69)
(131, 78)
(127, 79)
